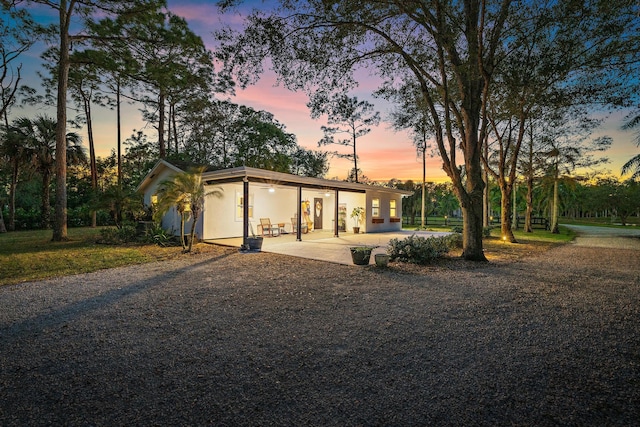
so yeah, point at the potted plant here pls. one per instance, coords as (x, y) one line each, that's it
(361, 254)
(382, 260)
(254, 243)
(358, 215)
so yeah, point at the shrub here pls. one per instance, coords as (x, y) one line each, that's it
(117, 236)
(454, 240)
(456, 229)
(486, 231)
(159, 236)
(418, 250)
(27, 219)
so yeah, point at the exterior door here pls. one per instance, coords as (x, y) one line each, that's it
(317, 213)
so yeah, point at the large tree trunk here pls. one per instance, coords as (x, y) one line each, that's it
(175, 128)
(505, 213)
(472, 230)
(529, 213)
(169, 128)
(554, 213)
(485, 195)
(92, 156)
(161, 142)
(472, 207)
(119, 137)
(423, 202)
(3, 228)
(355, 157)
(45, 210)
(60, 224)
(527, 219)
(12, 194)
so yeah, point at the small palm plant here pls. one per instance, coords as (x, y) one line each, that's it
(186, 192)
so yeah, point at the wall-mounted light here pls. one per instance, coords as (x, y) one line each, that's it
(327, 194)
(271, 189)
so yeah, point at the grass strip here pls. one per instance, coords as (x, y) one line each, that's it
(31, 255)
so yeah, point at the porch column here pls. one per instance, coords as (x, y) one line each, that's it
(299, 216)
(245, 211)
(335, 216)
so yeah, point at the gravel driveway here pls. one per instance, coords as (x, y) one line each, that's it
(231, 339)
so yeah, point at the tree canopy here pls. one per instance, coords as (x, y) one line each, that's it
(453, 51)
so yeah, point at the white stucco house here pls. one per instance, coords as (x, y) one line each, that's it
(292, 203)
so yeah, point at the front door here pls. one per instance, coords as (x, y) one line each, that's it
(317, 214)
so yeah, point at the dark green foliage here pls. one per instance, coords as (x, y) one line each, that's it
(158, 235)
(27, 219)
(455, 240)
(421, 250)
(118, 236)
(457, 229)
(486, 231)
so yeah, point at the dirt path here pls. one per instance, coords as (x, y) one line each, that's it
(607, 237)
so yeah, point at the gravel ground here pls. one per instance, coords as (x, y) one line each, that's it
(230, 339)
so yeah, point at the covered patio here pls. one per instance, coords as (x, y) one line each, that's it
(324, 246)
(287, 210)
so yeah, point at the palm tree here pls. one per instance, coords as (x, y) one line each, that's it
(38, 136)
(185, 191)
(633, 165)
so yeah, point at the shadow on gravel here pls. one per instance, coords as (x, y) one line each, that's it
(76, 309)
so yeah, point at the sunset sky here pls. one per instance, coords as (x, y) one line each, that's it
(383, 154)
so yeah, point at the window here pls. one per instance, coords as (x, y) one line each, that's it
(375, 207)
(392, 209)
(240, 205)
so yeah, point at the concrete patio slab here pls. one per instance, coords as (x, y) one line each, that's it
(323, 247)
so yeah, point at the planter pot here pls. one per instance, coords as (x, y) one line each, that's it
(356, 230)
(254, 243)
(382, 260)
(360, 256)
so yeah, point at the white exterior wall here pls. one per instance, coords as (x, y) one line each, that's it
(222, 216)
(218, 214)
(385, 207)
(170, 220)
(353, 200)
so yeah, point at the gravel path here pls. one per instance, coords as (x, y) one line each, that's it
(231, 339)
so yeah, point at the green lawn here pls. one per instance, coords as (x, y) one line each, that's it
(31, 255)
(602, 222)
(565, 235)
(538, 235)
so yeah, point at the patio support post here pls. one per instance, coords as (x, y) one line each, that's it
(299, 216)
(245, 211)
(335, 216)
